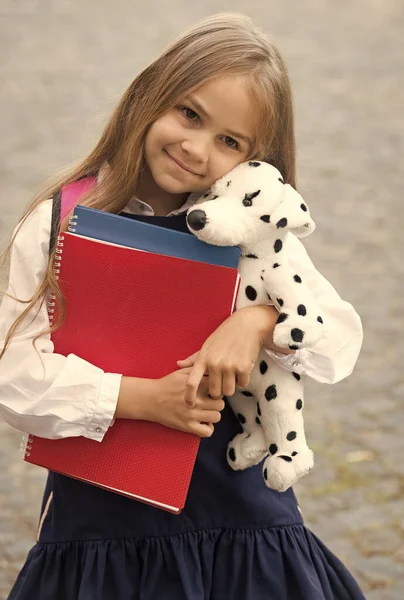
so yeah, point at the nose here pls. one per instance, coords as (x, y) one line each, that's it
(197, 148)
(197, 219)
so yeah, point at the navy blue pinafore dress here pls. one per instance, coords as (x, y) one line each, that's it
(234, 540)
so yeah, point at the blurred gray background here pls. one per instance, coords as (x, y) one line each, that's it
(64, 65)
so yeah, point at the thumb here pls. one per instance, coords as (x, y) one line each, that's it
(188, 362)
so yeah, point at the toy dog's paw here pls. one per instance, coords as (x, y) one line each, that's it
(294, 333)
(281, 471)
(246, 450)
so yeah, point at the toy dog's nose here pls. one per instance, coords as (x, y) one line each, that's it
(197, 219)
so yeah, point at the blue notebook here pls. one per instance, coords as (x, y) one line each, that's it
(132, 233)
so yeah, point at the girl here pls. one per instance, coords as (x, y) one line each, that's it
(216, 97)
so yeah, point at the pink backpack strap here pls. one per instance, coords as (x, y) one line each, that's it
(63, 203)
(72, 192)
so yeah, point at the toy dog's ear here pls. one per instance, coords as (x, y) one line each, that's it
(293, 213)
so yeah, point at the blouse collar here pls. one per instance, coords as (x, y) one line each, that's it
(136, 206)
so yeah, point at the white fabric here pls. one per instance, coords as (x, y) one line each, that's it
(334, 356)
(53, 396)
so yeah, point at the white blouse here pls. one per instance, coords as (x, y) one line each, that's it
(54, 396)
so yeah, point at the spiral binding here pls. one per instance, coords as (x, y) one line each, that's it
(56, 270)
(26, 445)
(72, 223)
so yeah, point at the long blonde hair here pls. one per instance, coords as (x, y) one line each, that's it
(226, 43)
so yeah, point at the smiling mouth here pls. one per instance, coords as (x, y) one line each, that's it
(179, 164)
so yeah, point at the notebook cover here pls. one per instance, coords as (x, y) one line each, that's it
(117, 229)
(136, 313)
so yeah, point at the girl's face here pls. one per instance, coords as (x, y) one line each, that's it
(203, 137)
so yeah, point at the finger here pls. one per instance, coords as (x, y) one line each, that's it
(206, 416)
(215, 382)
(229, 383)
(185, 370)
(243, 379)
(209, 404)
(188, 362)
(193, 382)
(204, 385)
(204, 430)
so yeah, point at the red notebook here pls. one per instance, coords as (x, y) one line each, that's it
(138, 325)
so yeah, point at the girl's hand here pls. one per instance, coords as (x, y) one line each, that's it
(228, 356)
(167, 405)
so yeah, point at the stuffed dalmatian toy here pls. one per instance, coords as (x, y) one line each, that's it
(252, 207)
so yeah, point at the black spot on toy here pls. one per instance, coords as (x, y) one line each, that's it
(271, 393)
(251, 293)
(273, 449)
(282, 223)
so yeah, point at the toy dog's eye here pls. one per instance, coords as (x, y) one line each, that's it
(248, 198)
